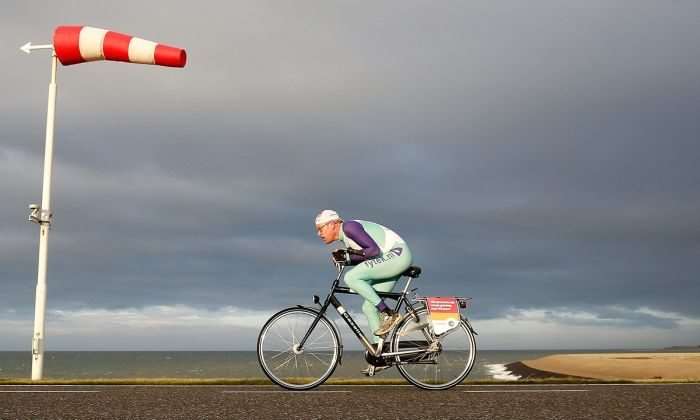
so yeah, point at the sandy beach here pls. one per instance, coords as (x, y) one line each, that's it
(632, 366)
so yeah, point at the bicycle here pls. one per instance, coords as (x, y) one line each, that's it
(299, 347)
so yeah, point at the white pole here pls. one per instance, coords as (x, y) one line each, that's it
(43, 217)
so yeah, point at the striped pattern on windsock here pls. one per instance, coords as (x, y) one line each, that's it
(78, 44)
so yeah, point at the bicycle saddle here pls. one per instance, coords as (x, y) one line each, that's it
(412, 272)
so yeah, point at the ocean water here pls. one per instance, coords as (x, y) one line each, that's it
(216, 364)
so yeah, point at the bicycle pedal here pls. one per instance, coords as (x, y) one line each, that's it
(374, 370)
(369, 371)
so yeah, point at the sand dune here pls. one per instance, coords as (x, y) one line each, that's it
(635, 366)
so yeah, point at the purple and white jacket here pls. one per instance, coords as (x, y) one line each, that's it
(372, 239)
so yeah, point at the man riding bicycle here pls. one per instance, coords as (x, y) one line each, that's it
(378, 256)
(427, 339)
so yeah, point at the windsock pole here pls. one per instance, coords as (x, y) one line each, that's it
(73, 45)
(42, 216)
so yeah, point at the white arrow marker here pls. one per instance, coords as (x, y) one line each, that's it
(28, 47)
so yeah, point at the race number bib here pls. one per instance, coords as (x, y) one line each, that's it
(443, 313)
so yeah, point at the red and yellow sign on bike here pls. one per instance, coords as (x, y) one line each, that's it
(444, 313)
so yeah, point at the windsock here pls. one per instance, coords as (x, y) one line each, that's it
(78, 44)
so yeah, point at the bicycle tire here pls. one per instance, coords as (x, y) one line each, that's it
(405, 366)
(297, 382)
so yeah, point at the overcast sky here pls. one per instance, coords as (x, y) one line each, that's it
(541, 157)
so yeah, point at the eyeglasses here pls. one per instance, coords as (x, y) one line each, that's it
(320, 228)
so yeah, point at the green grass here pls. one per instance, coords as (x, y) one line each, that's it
(263, 381)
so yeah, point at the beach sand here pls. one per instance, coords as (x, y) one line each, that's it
(632, 366)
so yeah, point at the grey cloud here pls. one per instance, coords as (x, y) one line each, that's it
(605, 317)
(539, 155)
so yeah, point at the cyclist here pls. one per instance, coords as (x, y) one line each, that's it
(378, 256)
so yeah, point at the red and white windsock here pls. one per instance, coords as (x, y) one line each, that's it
(78, 44)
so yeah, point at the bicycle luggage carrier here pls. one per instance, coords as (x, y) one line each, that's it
(463, 302)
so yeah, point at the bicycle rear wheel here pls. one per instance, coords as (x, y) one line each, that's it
(442, 369)
(280, 357)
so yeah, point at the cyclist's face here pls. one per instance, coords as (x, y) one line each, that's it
(328, 232)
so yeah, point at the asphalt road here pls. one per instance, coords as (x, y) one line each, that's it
(599, 402)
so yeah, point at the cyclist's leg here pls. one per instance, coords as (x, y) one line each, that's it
(361, 276)
(377, 274)
(359, 279)
(371, 311)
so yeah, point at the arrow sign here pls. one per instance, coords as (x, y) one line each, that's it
(28, 47)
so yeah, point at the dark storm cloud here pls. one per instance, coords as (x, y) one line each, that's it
(539, 156)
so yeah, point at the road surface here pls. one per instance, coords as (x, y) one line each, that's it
(657, 401)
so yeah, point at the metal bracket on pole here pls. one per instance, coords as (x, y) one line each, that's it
(40, 216)
(36, 347)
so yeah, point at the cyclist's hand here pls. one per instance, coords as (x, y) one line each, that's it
(341, 256)
(356, 252)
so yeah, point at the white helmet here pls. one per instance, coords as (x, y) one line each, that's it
(326, 216)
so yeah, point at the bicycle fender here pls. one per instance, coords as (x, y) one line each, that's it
(470, 326)
(340, 337)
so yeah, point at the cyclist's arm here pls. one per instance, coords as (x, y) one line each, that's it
(359, 235)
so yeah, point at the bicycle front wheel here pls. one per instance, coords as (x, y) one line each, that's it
(451, 357)
(282, 360)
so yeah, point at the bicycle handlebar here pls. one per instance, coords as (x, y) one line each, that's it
(339, 266)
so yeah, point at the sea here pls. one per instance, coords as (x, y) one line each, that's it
(490, 364)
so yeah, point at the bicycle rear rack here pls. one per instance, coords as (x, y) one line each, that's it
(462, 301)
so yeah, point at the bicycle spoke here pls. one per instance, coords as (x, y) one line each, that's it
(447, 333)
(319, 348)
(317, 353)
(289, 359)
(444, 356)
(279, 354)
(319, 359)
(318, 338)
(455, 359)
(275, 350)
(308, 371)
(281, 338)
(294, 340)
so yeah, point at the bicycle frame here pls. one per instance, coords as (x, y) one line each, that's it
(400, 298)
